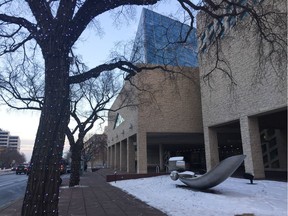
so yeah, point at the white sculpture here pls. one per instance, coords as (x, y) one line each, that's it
(212, 178)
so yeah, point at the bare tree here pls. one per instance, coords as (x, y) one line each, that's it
(55, 26)
(10, 157)
(89, 102)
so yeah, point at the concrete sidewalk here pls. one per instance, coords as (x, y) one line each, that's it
(94, 197)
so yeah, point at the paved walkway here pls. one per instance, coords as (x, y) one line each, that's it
(94, 197)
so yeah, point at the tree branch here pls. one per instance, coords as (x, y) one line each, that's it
(95, 72)
(92, 8)
(13, 47)
(19, 21)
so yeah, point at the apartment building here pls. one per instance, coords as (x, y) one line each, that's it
(9, 141)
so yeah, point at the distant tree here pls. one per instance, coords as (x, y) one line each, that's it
(10, 157)
(55, 26)
(67, 156)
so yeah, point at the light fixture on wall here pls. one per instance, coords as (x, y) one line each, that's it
(123, 132)
(131, 126)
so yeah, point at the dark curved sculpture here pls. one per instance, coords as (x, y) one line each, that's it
(212, 178)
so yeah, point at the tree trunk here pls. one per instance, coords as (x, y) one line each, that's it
(75, 164)
(42, 192)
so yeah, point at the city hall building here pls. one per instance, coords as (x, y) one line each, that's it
(203, 120)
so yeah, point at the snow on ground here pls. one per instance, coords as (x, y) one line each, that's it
(233, 196)
(5, 171)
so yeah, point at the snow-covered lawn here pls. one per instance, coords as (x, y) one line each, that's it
(233, 196)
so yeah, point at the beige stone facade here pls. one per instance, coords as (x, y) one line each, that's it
(236, 117)
(165, 121)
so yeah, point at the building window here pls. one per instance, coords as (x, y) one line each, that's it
(119, 120)
(243, 15)
(204, 47)
(231, 21)
(211, 36)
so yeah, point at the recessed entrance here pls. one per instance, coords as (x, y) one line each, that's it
(273, 134)
(162, 146)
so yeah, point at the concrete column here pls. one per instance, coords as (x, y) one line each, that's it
(142, 152)
(252, 146)
(117, 156)
(113, 156)
(130, 155)
(161, 152)
(123, 155)
(211, 148)
(108, 156)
